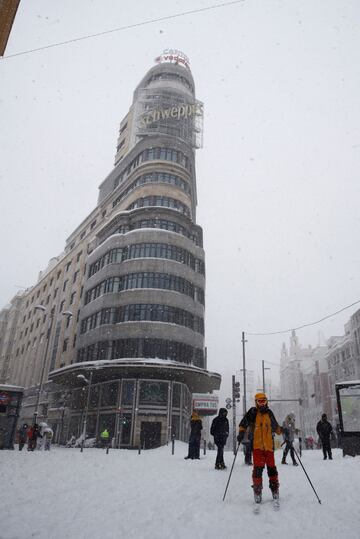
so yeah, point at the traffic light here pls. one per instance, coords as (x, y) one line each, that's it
(237, 390)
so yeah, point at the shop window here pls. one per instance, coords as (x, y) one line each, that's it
(109, 394)
(176, 395)
(153, 393)
(128, 390)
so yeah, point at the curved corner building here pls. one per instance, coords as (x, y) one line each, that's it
(141, 326)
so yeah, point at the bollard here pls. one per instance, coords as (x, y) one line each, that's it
(139, 449)
(204, 447)
(107, 449)
(300, 445)
(173, 446)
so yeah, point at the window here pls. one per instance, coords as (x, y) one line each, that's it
(65, 345)
(72, 297)
(75, 275)
(78, 256)
(58, 274)
(64, 285)
(61, 308)
(55, 292)
(68, 265)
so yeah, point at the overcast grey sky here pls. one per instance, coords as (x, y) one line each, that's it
(278, 176)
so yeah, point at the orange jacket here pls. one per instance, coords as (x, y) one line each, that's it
(262, 425)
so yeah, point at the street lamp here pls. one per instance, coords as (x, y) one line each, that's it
(263, 373)
(82, 377)
(44, 310)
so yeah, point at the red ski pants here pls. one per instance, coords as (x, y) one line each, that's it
(260, 458)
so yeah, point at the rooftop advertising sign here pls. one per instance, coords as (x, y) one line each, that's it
(177, 112)
(173, 56)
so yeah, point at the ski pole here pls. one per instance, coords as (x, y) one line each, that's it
(227, 484)
(307, 475)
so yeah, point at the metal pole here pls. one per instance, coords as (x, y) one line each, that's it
(43, 370)
(244, 371)
(86, 413)
(234, 413)
(312, 486)
(227, 484)
(263, 374)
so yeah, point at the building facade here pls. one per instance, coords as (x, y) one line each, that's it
(123, 307)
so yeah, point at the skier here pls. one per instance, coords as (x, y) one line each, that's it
(220, 430)
(262, 423)
(23, 435)
(195, 437)
(289, 431)
(324, 430)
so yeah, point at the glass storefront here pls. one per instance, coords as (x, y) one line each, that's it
(130, 409)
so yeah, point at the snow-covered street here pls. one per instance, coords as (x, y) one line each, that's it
(68, 494)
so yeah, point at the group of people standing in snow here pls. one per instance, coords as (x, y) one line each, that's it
(256, 431)
(37, 436)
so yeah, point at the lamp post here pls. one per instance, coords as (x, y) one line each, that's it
(243, 340)
(263, 374)
(82, 377)
(44, 310)
(48, 333)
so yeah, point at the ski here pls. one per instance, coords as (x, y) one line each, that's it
(276, 501)
(256, 508)
(257, 503)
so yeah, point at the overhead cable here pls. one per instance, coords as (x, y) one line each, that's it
(305, 325)
(127, 27)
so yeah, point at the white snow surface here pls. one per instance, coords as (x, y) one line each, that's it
(156, 495)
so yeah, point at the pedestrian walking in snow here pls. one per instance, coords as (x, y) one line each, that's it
(220, 430)
(262, 423)
(41, 438)
(33, 435)
(47, 436)
(289, 431)
(23, 430)
(104, 437)
(325, 430)
(248, 446)
(195, 437)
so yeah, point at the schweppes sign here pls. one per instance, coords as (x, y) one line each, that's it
(173, 56)
(186, 110)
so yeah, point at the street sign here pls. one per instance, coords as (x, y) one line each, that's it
(228, 400)
(228, 406)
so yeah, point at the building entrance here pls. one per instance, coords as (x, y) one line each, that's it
(150, 434)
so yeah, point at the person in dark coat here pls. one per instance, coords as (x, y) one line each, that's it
(324, 430)
(23, 435)
(195, 437)
(220, 430)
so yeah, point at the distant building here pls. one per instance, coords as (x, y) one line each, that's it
(124, 303)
